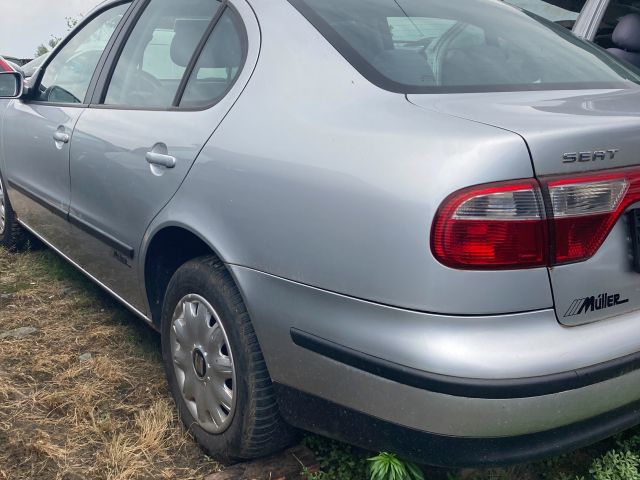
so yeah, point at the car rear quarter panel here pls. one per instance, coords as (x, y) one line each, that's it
(319, 177)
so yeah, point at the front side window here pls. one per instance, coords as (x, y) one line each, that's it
(67, 78)
(413, 46)
(155, 58)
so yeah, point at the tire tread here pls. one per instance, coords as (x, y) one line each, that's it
(14, 237)
(264, 431)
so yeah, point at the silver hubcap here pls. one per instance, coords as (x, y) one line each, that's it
(3, 214)
(203, 363)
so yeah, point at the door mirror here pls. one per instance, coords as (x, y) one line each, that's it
(11, 85)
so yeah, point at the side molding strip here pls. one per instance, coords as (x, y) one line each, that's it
(468, 387)
(102, 236)
(81, 224)
(55, 209)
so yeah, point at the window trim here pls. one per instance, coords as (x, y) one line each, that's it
(100, 92)
(345, 49)
(37, 79)
(370, 73)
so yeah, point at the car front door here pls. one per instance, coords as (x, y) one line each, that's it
(36, 131)
(168, 88)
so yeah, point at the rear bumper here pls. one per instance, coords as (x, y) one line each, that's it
(503, 388)
(332, 420)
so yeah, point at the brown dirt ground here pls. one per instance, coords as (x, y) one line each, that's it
(60, 418)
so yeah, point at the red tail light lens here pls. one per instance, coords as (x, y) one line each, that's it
(504, 226)
(496, 226)
(584, 212)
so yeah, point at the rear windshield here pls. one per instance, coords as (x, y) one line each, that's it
(436, 46)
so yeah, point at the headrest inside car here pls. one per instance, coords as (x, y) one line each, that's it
(224, 52)
(627, 33)
(188, 34)
(225, 47)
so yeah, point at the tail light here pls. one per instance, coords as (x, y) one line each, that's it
(531, 223)
(492, 226)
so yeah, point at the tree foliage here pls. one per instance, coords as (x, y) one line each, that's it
(44, 48)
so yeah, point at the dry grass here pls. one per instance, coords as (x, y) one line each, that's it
(60, 418)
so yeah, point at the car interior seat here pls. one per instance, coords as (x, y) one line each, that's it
(217, 67)
(626, 38)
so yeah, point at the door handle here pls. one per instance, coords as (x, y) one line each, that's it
(166, 161)
(61, 137)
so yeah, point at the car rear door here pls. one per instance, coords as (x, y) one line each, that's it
(36, 131)
(168, 87)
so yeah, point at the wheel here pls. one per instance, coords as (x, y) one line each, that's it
(12, 235)
(215, 368)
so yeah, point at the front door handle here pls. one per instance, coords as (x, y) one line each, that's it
(61, 137)
(166, 161)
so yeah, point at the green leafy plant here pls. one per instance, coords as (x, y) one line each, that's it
(337, 461)
(308, 474)
(629, 443)
(616, 465)
(387, 466)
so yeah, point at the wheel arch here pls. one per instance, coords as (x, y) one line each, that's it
(168, 248)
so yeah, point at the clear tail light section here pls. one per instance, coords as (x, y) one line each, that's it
(531, 223)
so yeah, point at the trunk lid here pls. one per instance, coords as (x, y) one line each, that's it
(571, 132)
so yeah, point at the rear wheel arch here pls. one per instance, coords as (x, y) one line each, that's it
(168, 249)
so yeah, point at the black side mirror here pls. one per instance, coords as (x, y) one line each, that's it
(11, 85)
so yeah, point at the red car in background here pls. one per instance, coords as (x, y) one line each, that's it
(4, 66)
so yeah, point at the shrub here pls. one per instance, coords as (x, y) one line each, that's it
(388, 466)
(616, 465)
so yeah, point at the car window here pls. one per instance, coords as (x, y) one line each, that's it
(408, 30)
(159, 49)
(157, 57)
(68, 75)
(218, 65)
(616, 10)
(559, 11)
(413, 46)
(29, 69)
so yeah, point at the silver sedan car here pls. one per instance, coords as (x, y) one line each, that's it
(411, 225)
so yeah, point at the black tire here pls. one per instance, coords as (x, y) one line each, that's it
(256, 429)
(13, 236)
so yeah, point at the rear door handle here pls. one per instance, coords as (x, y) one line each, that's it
(61, 137)
(166, 161)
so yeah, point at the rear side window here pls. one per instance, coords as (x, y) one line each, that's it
(177, 56)
(439, 46)
(218, 65)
